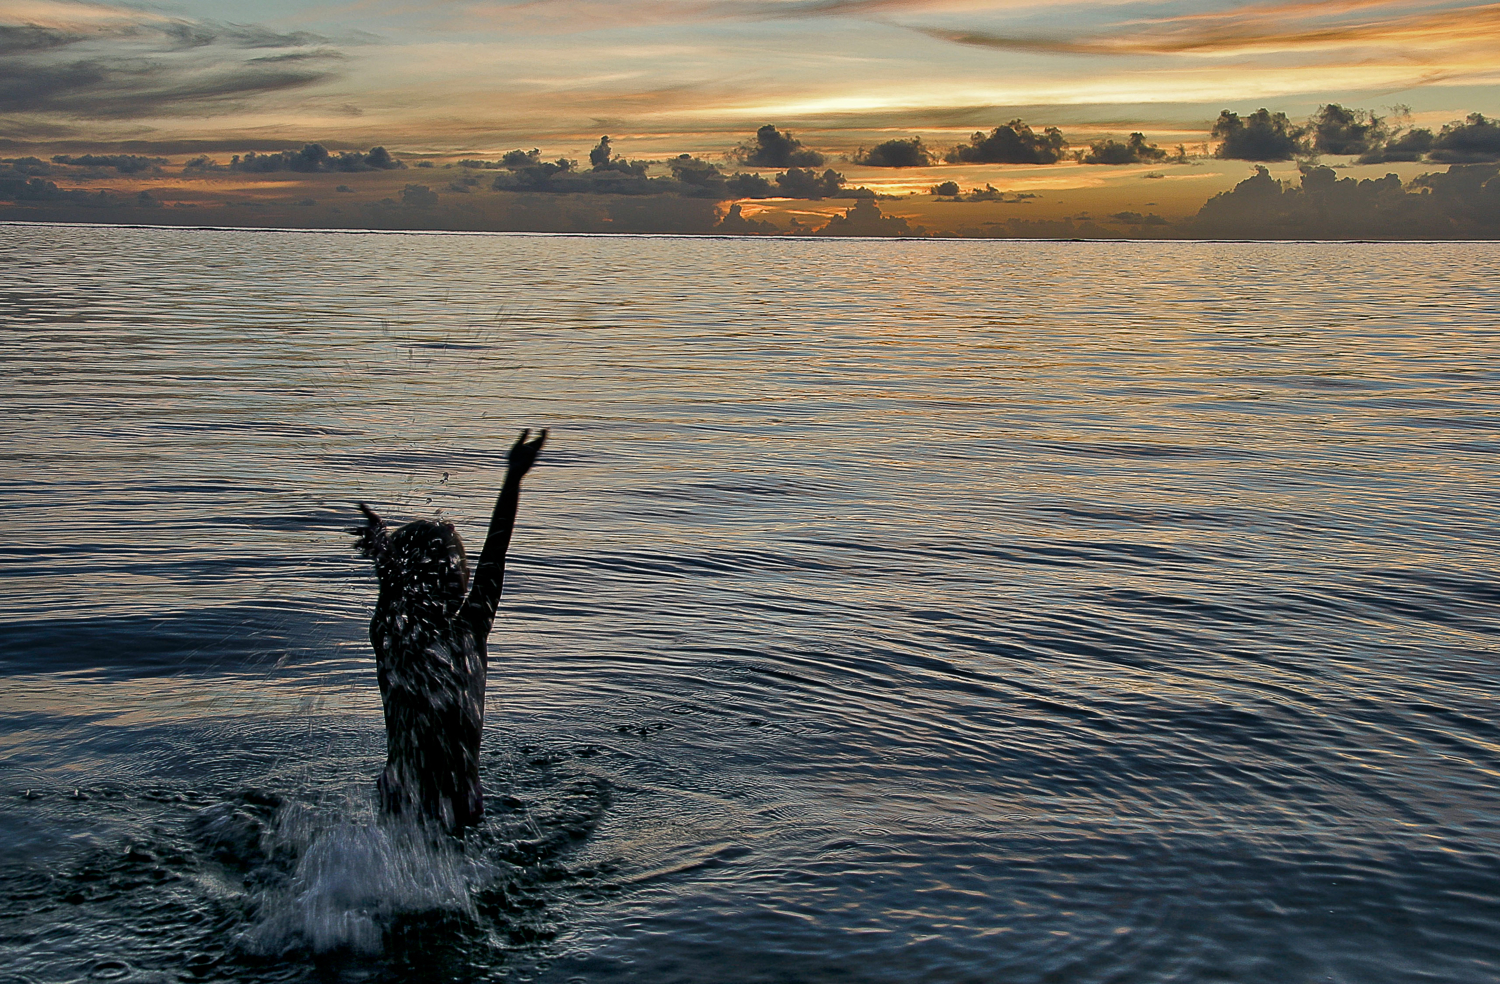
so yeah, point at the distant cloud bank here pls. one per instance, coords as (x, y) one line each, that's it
(522, 189)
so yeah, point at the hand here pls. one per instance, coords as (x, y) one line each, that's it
(523, 453)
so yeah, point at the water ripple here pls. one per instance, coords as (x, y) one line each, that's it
(880, 611)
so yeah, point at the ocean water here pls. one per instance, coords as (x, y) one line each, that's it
(878, 611)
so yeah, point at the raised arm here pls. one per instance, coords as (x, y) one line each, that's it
(489, 575)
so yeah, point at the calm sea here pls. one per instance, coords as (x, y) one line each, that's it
(879, 611)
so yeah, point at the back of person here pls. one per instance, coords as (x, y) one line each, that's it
(430, 654)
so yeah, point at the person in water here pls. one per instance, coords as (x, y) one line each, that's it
(429, 638)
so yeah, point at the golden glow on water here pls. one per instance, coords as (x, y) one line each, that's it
(903, 597)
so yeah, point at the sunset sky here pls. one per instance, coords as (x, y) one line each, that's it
(663, 77)
(694, 74)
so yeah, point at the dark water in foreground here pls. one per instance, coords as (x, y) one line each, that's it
(881, 611)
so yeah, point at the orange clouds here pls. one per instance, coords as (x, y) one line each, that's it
(1272, 28)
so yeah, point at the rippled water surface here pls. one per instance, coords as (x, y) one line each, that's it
(879, 611)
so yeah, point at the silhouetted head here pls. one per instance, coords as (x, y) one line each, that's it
(425, 562)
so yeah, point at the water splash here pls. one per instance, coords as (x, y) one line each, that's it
(353, 880)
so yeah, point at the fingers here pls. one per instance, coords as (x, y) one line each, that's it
(523, 453)
(541, 438)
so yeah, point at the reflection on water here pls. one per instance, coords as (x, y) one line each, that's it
(879, 611)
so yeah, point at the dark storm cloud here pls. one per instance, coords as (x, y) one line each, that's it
(1463, 202)
(150, 67)
(1261, 136)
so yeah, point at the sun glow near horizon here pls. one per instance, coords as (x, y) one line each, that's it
(440, 83)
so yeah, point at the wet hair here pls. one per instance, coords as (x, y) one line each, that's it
(426, 563)
(423, 562)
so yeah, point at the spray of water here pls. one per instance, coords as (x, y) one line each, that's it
(352, 879)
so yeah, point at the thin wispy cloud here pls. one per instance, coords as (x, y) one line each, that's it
(91, 61)
(1251, 30)
(474, 73)
(594, 16)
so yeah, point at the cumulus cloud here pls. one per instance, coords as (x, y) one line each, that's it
(1135, 150)
(772, 148)
(688, 177)
(1462, 202)
(747, 185)
(1476, 140)
(418, 196)
(21, 183)
(866, 219)
(601, 161)
(895, 153)
(521, 158)
(1410, 145)
(1013, 143)
(701, 179)
(510, 160)
(313, 158)
(1137, 219)
(1337, 130)
(1261, 136)
(599, 156)
(25, 167)
(123, 163)
(734, 223)
(807, 183)
(989, 193)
